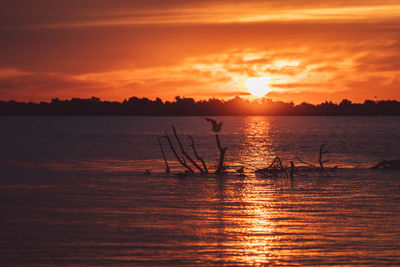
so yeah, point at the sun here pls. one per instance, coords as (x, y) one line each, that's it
(258, 86)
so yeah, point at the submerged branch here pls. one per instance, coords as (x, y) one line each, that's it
(306, 163)
(387, 164)
(291, 169)
(184, 153)
(181, 161)
(322, 151)
(167, 170)
(197, 155)
(222, 150)
(274, 168)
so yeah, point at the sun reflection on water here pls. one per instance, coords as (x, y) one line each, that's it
(246, 222)
(253, 227)
(259, 229)
(257, 149)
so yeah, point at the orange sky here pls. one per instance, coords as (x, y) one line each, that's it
(307, 50)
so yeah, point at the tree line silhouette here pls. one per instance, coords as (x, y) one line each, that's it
(183, 106)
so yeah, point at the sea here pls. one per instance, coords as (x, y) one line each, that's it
(93, 191)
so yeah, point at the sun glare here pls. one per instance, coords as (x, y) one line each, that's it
(258, 87)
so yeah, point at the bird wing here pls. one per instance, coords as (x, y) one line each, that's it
(213, 122)
(209, 120)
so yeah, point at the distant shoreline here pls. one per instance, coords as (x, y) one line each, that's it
(189, 107)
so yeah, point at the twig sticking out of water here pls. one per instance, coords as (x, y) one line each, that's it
(306, 163)
(167, 170)
(322, 151)
(312, 167)
(221, 168)
(197, 155)
(183, 151)
(181, 160)
(216, 127)
(291, 170)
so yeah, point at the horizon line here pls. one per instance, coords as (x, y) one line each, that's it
(258, 100)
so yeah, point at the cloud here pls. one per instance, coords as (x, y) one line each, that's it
(116, 49)
(84, 13)
(325, 70)
(296, 85)
(33, 86)
(8, 73)
(372, 62)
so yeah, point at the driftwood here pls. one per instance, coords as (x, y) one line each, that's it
(387, 164)
(197, 155)
(216, 127)
(306, 163)
(167, 170)
(277, 167)
(291, 169)
(184, 153)
(311, 167)
(274, 168)
(221, 168)
(322, 151)
(181, 160)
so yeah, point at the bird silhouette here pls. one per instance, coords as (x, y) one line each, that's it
(216, 127)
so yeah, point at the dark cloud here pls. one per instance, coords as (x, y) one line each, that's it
(43, 86)
(28, 13)
(102, 49)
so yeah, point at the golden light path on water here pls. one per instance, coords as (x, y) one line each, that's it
(241, 220)
(256, 226)
(256, 149)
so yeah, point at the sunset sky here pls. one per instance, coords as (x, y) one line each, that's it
(303, 50)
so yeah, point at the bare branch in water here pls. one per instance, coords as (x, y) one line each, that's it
(167, 170)
(197, 155)
(291, 169)
(322, 151)
(184, 153)
(274, 168)
(181, 161)
(387, 164)
(309, 164)
(222, 150)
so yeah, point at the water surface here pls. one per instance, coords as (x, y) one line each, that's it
(73, 192)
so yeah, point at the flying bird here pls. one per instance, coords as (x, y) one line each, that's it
(216, 127)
